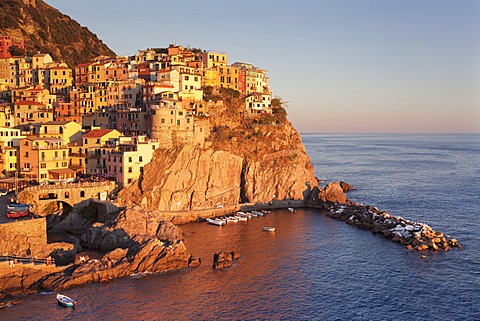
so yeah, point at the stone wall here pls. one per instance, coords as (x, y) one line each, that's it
(23, 238)
(71, 193)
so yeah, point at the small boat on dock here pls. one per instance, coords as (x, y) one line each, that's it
(243, 214)
(241, 218)
(265, 212)
(258, 213)
(232, 219)
(216, 221)
(65, 300)
(268, 229)
(16, 210)
(291, 210)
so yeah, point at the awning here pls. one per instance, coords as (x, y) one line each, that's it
(61, 171)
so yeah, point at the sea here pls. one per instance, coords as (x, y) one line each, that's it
(314, 267)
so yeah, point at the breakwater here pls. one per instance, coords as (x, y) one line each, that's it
(416, 236)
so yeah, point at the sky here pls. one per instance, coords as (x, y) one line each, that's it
(342, 66)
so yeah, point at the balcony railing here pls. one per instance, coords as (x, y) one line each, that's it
(50, 147)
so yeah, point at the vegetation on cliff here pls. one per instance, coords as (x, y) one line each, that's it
(47, 30)
(257, 135)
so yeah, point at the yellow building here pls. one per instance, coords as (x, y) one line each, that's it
(61, 79)
(9, 143)
(96, 144)
(7, 119)
(27, 112)
(228, 77)
(43, 159)
(211, 78)
(68, 131)
(212, 59)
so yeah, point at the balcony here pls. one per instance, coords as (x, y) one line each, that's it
(49, 147)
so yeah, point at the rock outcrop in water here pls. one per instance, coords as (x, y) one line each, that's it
(414, 235)
(224, 259)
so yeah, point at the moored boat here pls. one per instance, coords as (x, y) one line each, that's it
(17, 210)
(243, 214)
(258, 213)
(216, 221)
(241, 218)
(268, 229)
(65, 300)
(232, 219)
(291, 210)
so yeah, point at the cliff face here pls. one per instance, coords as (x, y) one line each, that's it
(47, 30)
(253, 159)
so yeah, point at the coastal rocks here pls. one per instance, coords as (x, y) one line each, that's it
(137, 221)
(151, 256)
(345, 186)
(333, 193)
(81, 217)
(105, 238)
(20, 279)
(224, 259)
(63, 253)
(418, 236)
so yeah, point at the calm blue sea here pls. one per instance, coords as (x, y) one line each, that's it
(314, 267)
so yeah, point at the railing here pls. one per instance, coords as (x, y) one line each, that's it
(69, 185)
(26, 260)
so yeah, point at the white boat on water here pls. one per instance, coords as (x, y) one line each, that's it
(243, 214)
(265, 212)
(232, 219)
(216, 221)
(291, 210)
(241, 218)
(65, 300)
(258, 213)
(268, 229)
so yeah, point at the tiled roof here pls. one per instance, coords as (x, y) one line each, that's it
(97, 133)
(28, 102)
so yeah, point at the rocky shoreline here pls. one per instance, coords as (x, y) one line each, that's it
(416, 236)
(133, 241)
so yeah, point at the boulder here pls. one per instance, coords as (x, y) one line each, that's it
(167, 231)
(333, 193)
(345, 186)
(224, 259)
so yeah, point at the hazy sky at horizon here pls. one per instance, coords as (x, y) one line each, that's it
(343, 65)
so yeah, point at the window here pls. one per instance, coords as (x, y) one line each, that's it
(129, 159)
(82, 193)
(140, 158)
(43, 165)
(130, 170)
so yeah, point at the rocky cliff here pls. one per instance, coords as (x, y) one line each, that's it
(47, 30)
(248, 159)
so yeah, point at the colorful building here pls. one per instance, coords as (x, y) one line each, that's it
(42, 159)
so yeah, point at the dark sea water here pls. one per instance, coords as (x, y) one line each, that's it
(314, 267)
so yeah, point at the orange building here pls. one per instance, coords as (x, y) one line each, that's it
(8, 41)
